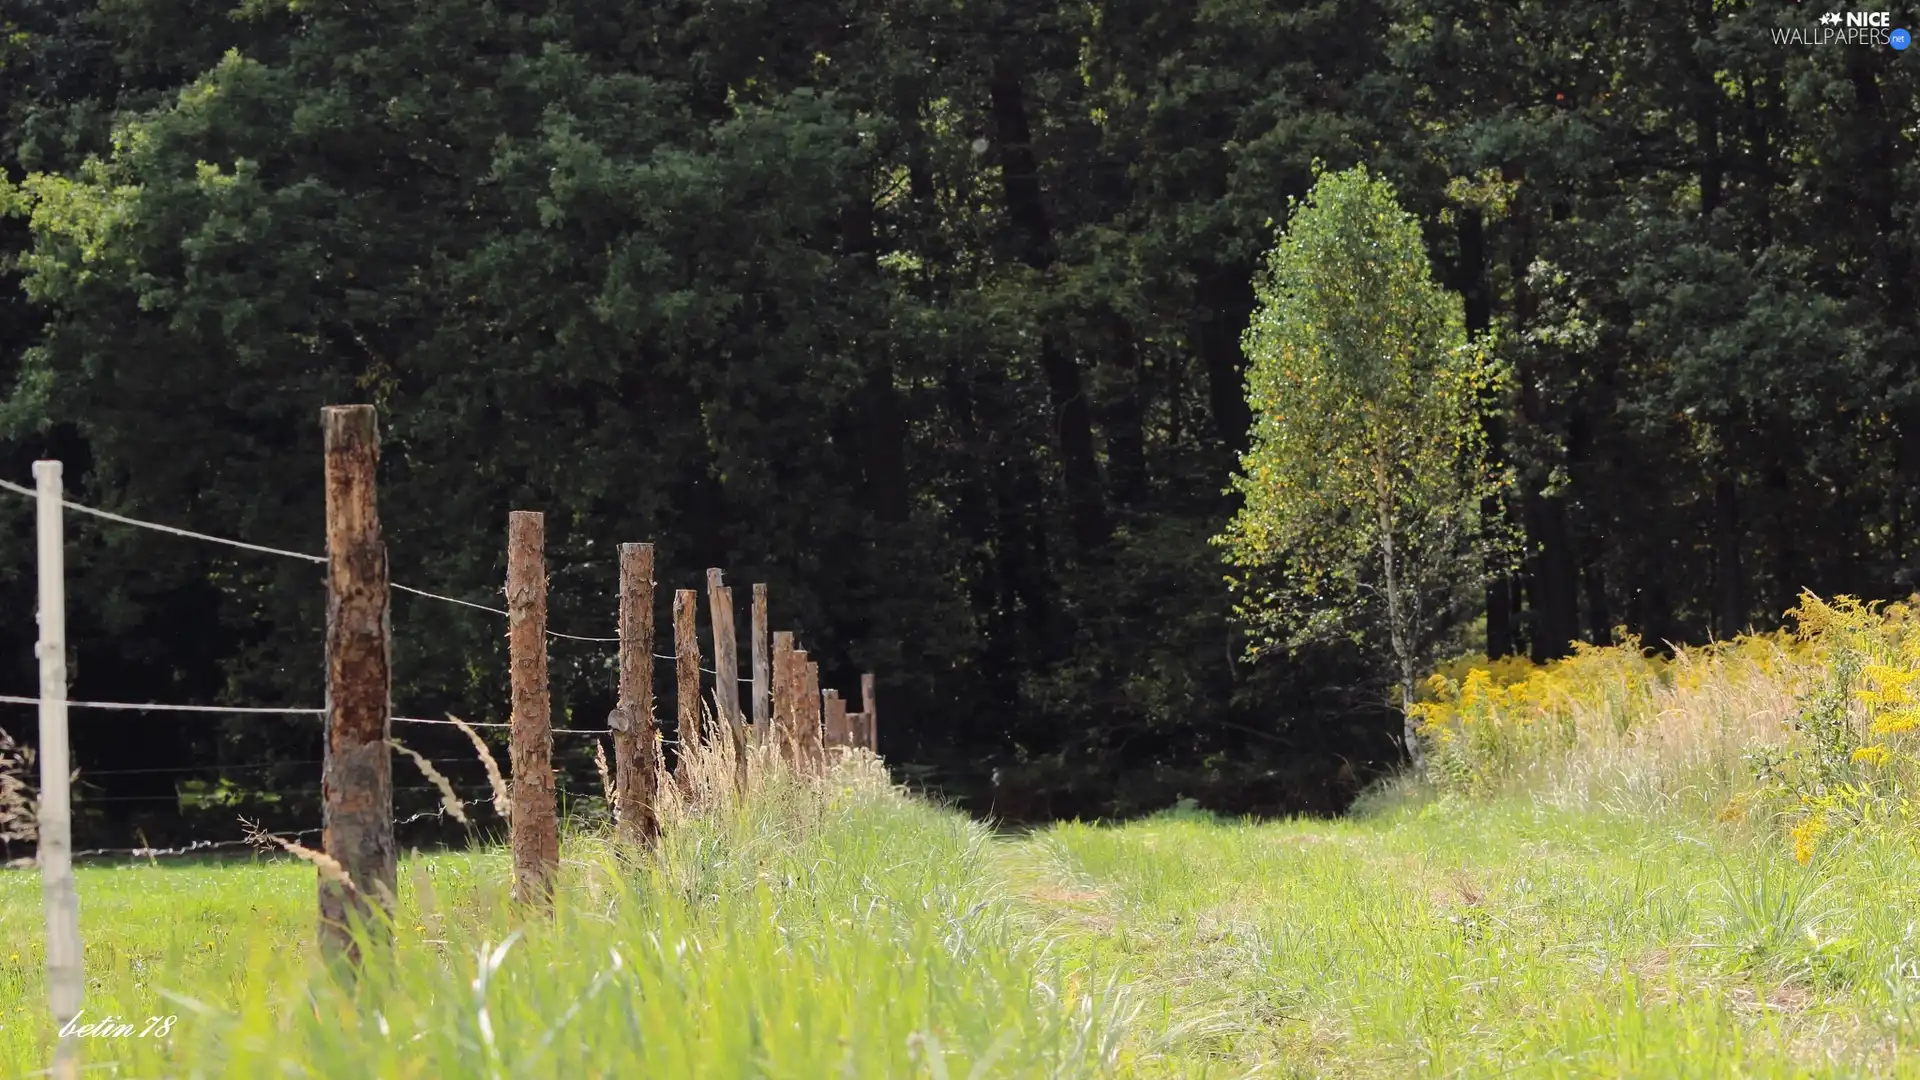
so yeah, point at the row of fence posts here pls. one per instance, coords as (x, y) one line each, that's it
(788, 703)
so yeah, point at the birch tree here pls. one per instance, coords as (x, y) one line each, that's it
(1363, 483)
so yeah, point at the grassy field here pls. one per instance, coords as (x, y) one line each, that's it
(893, 939)
(857, 933)
(1617, 867)
(1505, 939)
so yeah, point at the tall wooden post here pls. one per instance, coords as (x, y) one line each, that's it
(813, 749)
(784, 723)
(66, 980)
(726, 673)
(356, 782)
(837, 732)
(635, 733)
(797, 733)
(686, 649)
(761, 713)
(534, 828)
(869, 730)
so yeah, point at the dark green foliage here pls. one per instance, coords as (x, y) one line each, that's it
(930, 316)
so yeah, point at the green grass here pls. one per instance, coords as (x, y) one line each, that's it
(1497, 939)
(876, 936)
(874, 940)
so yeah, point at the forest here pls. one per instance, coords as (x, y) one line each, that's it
(930, 314)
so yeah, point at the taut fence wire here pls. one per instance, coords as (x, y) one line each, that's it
(793, 716)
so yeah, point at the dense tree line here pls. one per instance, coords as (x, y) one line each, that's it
(930, 315)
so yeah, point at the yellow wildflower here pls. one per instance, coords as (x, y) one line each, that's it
(1806, 836)
(1872, 755)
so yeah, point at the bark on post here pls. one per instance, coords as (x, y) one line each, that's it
(635, 734)
(837, 728)
(726, 673)
(686, 650)
(869, 728)
(534, 828)
(760, 673)
(784, 724)
(797, 671)
(356, 777)
(815, 750)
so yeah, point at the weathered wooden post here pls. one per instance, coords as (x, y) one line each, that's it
(814, 750)
(837, 730)
(686, 650)
(66, 980)
(534, 828)
(759, 709)
(783, 723)
(869, 732)
(356, 782)
(635, 733)
(797, 671)
(726, 673)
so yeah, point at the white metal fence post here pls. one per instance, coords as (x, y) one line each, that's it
(64, 978)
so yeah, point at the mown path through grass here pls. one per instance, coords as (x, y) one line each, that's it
(1491, 940)
(876, 936)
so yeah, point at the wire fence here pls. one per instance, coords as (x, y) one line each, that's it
(170, 530)
(790, 708)
(203, 846)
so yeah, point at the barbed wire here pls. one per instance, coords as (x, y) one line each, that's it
(190, 848)
(245, 546)
(196, 846)
(499, 724)
(137, 523)
(124, 705)
(304, 556)
(151, 706)
(297, 789)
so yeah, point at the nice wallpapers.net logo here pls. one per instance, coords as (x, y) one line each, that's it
(1873, 28)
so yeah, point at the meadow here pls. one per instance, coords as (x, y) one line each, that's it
(1618, 865)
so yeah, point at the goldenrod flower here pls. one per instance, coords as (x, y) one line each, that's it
(1872, 755)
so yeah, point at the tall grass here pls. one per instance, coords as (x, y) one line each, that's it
(817, 927)
(1810, 729)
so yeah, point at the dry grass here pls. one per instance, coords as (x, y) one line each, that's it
(1688, 752)
(19, 821)
(448, 800)
(502, 800)
(329, 867)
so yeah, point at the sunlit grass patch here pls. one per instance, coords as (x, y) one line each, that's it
(852, 933)
(1504, 938)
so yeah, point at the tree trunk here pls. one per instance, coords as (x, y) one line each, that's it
(1552, 588)
(1223, 304)
(1730, 591)
(1073, 418)
(1125, 418)
(1397, 630)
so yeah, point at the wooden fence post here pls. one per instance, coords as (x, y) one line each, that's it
(837, 732)
(534, 827)
(760, 674)
(869, 731)
(357, 774)
(815, 750)
(784, 725)
(66, 981)
(686, 651)
(798, 672)
(635, 733)
(726, 673)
